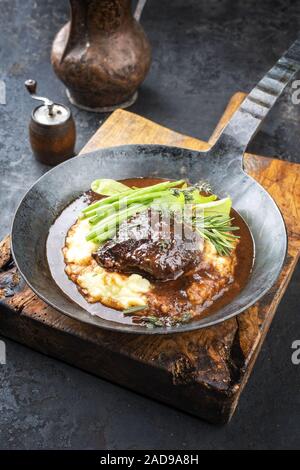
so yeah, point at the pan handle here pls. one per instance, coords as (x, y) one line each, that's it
(247, 119)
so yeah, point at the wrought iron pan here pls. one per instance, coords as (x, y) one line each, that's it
(222, 166)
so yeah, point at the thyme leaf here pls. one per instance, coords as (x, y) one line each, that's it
(152, 321)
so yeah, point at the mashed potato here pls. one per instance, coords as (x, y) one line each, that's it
(224, 265)
(98, 285)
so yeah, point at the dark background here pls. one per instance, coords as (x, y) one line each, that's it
(203, 52)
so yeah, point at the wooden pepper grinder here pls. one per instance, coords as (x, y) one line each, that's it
(51, 130)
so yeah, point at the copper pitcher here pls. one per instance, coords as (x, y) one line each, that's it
(102, 54)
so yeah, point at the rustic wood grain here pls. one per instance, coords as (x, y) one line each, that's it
(202, 372)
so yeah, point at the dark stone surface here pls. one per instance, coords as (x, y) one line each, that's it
(202, 53)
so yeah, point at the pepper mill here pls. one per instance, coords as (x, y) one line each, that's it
(51, 130)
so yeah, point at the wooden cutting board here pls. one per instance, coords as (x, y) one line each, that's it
(202, 372)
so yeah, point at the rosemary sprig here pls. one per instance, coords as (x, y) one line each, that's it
(218, 230)
(131, 310)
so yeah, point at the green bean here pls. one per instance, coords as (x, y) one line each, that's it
(133, 192)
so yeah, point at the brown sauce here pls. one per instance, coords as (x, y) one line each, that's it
(168, 291)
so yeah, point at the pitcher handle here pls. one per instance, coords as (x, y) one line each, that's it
(139, 9)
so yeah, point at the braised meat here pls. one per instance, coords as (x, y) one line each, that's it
(154, 244)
